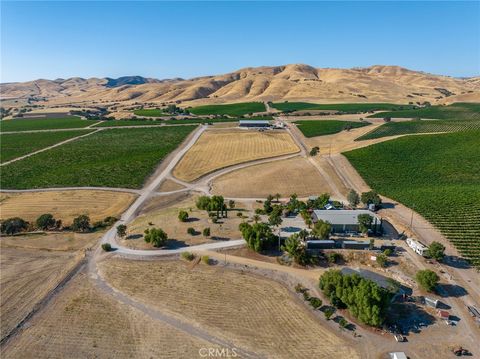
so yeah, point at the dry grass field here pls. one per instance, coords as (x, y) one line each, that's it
(251, 312)
(294, 175)
(52, 241)
(64, 205)
(83, 322)
(221, 148)
(167, 219)
(26, 277)
(169, 185)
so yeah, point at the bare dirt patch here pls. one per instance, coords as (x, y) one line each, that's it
(251, 312)
(65, 205)
(166, 217)
(295, 175)
(217, 149)
(83, 322)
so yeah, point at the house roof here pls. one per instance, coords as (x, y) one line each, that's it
(342, 216)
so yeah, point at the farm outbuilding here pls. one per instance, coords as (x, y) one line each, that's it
(320, 244)
(355, 244)
(345, 220)
(254, 123)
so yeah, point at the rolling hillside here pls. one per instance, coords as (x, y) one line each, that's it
(276, 83)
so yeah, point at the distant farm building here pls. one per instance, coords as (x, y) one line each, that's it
(345, 220)
(315, 245)
(355, 244)
(417, 246)
(254, 123)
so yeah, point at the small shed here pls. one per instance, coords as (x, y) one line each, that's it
(320, 244)
(356, 244)
(398, 355)
(443, 314)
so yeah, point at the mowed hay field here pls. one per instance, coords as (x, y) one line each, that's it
(294, 175)
(65, 205)
(26, 277)
(167, 219)
(251, 312)
(221, 148)
(83, 322)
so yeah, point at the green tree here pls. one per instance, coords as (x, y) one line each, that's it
(382, 260)
(436, 251)
(314, 151)
(45, 221)
(258, 236)
(13, 225)
(122, 230)
(81, 224)
(107, 247)
(256, 218)
(183, 216)
(206, 232)
(296, 249)
(231, 204)
(388, 252)
(328, 313)
(371, 197)
(343, 323)
(427, 279)
(364, 222)
(322, 229)
(277, 196)
(203, 202)
(353, 198)
(156, 236)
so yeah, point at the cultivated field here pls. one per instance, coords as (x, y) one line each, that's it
(26, 277)
(342, 107)
(295, 175)
(65, 205)
(234, 109)
(222, 148)
(419, 126)
(18, 144)
(109, 158)
(83, 322)
(153, 112)
(251, 312)
(43, 124)
(167, 219)
(456, 111)
(326, 127)
(435, 174)
(165, 122)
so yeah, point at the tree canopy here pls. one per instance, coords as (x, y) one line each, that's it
(258, 236)
(364, 222)
(427, 279)
(371, 197)
(81, 223)
(13, 225)
(45, 221)
(436, 251)
(363, 298)
(353, 198)
(156, 236)
(322, 229)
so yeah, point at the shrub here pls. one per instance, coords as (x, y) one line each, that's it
(191, 231)
(388, 252)
(343, 323)
(334, 257)
(300, 288)
(106, 247)
(188, 256)
(13, 225)
(328, 313)
(306, 294)
(122, 230)
(436, 251)
(206, 260)
(315, 302)
(382, 260)
(183, 216)
(206, 232)
(45, 221)
(81, 224)
(110, 221)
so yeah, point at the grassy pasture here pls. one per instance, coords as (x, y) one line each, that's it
(14, 145)
(326, 127)
(29, 124)
(456, 111)
(110, 158)
(153, 112)
(343, 107)
(234, 109)
(421, 126)
(435, 174)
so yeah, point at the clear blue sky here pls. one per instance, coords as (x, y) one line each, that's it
(185, 39)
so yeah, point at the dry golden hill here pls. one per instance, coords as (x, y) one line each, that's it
(274, 83)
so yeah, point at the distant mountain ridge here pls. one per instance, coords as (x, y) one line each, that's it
(267, 83)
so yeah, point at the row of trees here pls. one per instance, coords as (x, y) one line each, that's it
(363, 298)
(47, 222)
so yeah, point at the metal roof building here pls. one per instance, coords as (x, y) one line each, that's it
(344, 220)
(254, 123)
